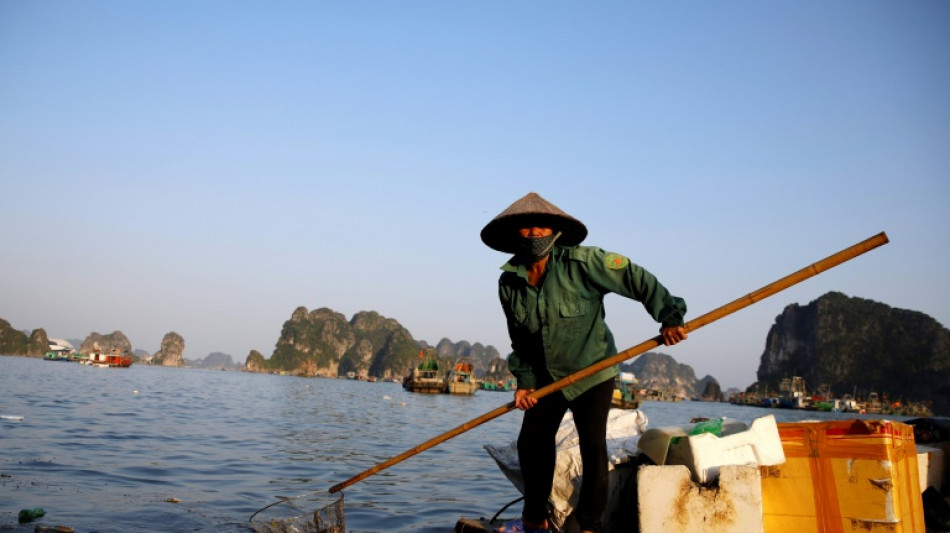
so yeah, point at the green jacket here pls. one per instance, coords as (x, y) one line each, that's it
(558, 328)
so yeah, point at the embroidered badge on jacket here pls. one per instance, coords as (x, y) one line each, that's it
(616, 261)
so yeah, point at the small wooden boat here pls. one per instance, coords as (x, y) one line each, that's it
(654, 395)
(873, 405)
(626, 393)
(426, 378)
(113, 360)
(461, 379)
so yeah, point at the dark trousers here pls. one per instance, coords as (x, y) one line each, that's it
(537, 453)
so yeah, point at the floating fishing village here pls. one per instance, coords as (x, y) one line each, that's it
(793, 394)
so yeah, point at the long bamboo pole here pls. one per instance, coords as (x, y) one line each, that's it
(811, 270)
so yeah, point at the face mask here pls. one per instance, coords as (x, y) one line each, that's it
(536, 248)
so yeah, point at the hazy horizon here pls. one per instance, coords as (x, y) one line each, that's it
(240, 359)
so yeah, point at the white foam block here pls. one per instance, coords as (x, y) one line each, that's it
(669, 502)
(930, 467)
(656, 443)
(705, 453)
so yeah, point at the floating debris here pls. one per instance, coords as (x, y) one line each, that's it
(40, 528)
(29, 515)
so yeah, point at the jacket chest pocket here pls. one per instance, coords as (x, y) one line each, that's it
(573, 319)
(524, 313)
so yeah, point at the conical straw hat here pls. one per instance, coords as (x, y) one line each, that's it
(502, 231)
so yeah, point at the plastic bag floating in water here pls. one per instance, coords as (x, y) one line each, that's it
(310, 513)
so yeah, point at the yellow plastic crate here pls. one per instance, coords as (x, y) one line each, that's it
(844, 476)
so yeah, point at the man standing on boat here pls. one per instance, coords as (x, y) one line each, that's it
(552, 292)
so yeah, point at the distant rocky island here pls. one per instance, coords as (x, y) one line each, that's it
(838, 344)
(324, 343)
(15, 342)
(660, 372)
(215, 361)
(857, 346)
(847, 345)
(36, 344)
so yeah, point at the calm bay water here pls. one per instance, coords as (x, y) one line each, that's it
(105, 449)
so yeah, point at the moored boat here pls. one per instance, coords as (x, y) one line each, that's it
(461, 379)
(61, 350)
(626, 394)
(850, 405)
(110, 360)
(831, 405)
(504, 386)
(654, 395)
(427, 378)
(873, 405)
(794, 394)
(60, 356)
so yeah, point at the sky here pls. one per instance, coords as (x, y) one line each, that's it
(208, 167)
